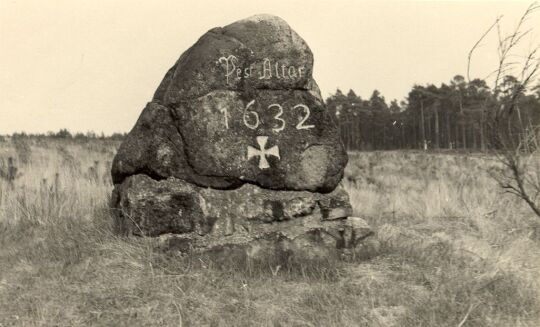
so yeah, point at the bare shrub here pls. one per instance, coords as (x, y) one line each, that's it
(515, 145)
(520, 174)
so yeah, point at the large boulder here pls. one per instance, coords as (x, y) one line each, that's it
(237, 152)
(240, 106)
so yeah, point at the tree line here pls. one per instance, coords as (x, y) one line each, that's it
(454, 115)
(65, 134)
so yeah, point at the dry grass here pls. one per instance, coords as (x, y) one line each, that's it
(454, 252)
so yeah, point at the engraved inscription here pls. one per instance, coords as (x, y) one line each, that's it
(307, 113)
(252, 120)
(266, 70)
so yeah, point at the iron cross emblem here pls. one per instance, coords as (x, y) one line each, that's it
(263, 152)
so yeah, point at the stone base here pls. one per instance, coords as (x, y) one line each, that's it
(303, 243)
(252, 221)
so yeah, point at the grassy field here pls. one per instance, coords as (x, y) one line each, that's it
(454, 251)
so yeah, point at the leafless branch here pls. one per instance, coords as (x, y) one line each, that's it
(477, 44)
(516, 176)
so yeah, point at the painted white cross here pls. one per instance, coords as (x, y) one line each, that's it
(263, 152)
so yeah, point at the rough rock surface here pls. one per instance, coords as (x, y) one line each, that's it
(207, 218)
(240, 106)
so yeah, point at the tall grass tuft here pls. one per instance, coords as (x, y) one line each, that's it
(23, 149)
(9, 172)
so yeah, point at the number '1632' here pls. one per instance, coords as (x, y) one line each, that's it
(251, 118)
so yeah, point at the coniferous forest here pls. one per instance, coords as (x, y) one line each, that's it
(454, 115)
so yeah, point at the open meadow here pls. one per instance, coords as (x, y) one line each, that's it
(453, 250)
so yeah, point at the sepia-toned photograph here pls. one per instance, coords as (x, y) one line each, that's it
(269, 163)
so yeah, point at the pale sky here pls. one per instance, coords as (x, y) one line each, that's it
(93, 65)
